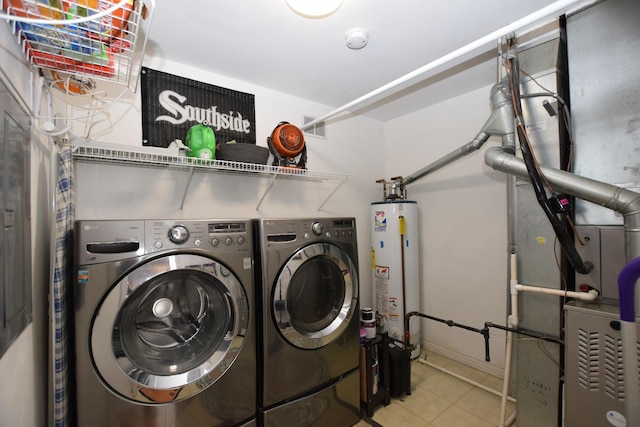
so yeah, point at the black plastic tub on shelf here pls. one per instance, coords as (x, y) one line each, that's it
(246, 153)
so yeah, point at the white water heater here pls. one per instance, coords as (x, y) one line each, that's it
(394, 262)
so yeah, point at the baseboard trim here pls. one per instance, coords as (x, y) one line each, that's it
(466, 360)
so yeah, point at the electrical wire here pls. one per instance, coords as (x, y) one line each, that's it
(551, 206)
(517, 108)
(91, 94)
(540, 343)
(93, 17)
(547, 92)
(97, 103)
(89, 124)
(39, 88)
(563, 279)
(565, 108)
(544, 351)
(98, 106)
(567, 121)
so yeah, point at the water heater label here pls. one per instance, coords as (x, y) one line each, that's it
(394, 308)
(382, 272)
(382, 292)
(380, 221)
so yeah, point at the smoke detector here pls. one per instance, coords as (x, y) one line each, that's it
(357, 38)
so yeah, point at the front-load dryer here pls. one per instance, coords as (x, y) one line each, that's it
(164, 323)
(308, 334)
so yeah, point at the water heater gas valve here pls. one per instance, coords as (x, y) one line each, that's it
(397, 189)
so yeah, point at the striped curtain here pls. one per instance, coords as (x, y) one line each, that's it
(62, 284)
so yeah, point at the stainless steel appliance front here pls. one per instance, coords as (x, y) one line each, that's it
(309, 334)
(164, 330)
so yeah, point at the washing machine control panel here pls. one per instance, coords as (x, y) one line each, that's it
(178, 234)
(229, 236)
(316, 227)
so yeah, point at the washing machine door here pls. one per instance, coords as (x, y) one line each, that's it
(315, 295)
(169, 328)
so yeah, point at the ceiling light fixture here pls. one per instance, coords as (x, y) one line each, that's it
(314, 8)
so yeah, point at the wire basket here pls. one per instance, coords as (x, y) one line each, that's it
(62, 35)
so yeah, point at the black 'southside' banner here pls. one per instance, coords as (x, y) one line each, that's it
(172, 104)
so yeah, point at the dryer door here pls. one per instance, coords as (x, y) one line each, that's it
(315, 295)
(169, 328)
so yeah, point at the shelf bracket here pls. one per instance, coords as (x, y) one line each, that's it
(186, 188)
(271, 183)
(331, 194)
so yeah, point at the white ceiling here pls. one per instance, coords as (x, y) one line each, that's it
(263, 42)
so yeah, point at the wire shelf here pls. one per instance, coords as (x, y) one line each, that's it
(107, 48)
(126, 157)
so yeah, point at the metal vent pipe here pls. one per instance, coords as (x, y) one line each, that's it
(621, 200)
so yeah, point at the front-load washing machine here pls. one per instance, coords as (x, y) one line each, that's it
(164, 323)
(308, 333)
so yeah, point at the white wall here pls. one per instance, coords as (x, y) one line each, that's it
(353, 146)
(462, 209)
(462, 216)
(24, 367)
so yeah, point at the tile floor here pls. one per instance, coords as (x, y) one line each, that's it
(440, 400)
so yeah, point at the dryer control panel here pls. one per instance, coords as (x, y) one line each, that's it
(283, 232)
